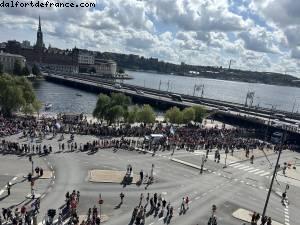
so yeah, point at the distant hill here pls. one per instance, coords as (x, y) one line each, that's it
(136, 62)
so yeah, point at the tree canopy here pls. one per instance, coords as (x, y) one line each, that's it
(36, 70)
(195, 113)
(111, 108)
(16, 94)
(146, 114)
(17, 68)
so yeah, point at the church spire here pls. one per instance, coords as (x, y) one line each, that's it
(40, 27)
(39, 37)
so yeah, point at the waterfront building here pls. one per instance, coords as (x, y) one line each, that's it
(8, 61)
(105, 67)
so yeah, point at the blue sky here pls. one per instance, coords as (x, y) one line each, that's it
(254, 33)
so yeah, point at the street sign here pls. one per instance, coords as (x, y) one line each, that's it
(100, 201)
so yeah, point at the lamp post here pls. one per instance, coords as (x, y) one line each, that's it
(226, 153)
(274, 174)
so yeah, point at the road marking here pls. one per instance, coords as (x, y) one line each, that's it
(1, 192)
(264, 174)
(15, 178)
(244, 167)
(197, 197)
(251, 171)
(251, 168)
(237, 166)
(259, 172)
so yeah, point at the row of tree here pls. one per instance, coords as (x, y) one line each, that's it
(17, 94)
(194, 113)
(19, 71)
(117, 107)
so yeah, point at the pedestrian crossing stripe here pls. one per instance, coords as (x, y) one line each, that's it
(259, 172)
(251, 168)
(264, 174)
(237, 166)
(254, 170)
(244, 167)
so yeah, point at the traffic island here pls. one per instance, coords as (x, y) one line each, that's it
(246, 215)
(110, 176)
(48, 174)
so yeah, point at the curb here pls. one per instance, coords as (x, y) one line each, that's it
(188, 164)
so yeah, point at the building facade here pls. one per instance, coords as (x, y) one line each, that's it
(105, 67)
(8, 61)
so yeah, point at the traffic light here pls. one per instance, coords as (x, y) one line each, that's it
(30, 158)
(29, 177)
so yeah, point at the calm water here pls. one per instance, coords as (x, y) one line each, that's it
(64, 99)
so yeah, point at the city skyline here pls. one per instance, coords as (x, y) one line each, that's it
(195, 32)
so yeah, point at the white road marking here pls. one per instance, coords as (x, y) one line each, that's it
(1, 192)
(237, 166)
(264, 174)
(259, 172)
(251, 171)
(15, 178)
(244, 167)
(251, 168)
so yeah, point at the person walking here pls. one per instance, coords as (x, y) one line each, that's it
(122, 197)
(8, 186)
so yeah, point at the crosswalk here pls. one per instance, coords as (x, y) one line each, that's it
(250, 169)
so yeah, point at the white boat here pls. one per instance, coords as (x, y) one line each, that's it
(48, 106)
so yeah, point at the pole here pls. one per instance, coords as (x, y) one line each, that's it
(225, 166)
(273, 177)
(294, 105)
(159, 84)
(194, 90)
(168, 85)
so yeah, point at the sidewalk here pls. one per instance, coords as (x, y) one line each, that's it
(245, 215)
(292, 177)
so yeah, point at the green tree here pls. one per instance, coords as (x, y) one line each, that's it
(102, 105)
(146, 114)
(114, 113)
(188, 115)
(200, 113)
(174, 115)
(1, 68)
(16, 93)
(131, 115)
(17, 68)
(37, 105)
(120, 99)
(36, 70)
(121, 70)
(25, 71)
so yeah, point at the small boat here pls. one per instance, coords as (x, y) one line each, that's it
(48, 106)
(77, 94)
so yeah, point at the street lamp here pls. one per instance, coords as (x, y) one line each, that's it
(274, 175)
(202, 164)
(226, 152)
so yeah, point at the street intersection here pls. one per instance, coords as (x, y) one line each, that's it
(241, 185)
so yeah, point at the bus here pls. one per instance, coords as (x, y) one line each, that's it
(176, 97)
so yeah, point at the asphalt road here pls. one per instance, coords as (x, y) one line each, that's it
(229, 189)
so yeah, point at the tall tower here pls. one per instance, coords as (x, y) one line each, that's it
(39, 37)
